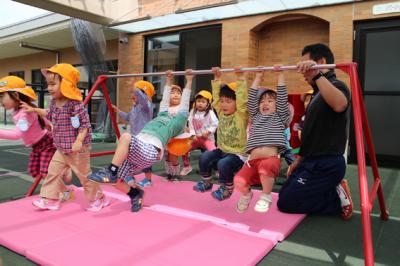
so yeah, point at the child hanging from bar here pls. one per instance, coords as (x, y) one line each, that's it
(202, 124)
(269, 113)
(140, 114)
(145, 149)
(230, 103)
(172, 105)
(72, 138)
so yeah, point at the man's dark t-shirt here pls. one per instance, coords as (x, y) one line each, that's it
(325, 131)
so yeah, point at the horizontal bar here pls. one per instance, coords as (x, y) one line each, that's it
(222, 70)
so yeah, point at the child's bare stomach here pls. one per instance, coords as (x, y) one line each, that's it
(263, 152)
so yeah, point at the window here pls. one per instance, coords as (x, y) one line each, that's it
(162, 54)
(20, 74)
(198, 48)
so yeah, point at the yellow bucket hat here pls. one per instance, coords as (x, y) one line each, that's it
(14, 83)
(303, 96)
(232, 86)
(70, 78)
(146, 87)
(205, 94)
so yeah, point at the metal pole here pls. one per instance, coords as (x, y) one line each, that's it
(362, 172)
(222, 70)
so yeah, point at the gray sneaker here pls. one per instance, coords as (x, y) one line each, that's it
(244, 202)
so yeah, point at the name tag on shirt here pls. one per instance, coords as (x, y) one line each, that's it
(75, 121)
(23, 124)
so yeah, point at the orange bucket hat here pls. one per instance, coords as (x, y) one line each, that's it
(14, 83)
(146, 87)
(180, 145)
(70, 77)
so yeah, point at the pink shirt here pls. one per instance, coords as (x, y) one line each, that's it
(27, 128)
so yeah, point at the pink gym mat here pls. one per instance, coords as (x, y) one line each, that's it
(178, 226)
(180, 199)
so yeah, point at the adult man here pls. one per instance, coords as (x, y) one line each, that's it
(315, 184)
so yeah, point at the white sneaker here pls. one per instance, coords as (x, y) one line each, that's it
(47, 204)
(243, 203)
(98, 204)
(186, 170)
(264, 203)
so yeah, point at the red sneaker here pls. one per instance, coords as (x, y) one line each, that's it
(343, 190)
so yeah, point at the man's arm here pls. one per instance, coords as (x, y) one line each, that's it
(335, 98)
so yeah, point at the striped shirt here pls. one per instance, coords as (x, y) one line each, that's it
(268, 130)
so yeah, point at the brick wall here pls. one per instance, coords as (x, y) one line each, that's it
(269, 39)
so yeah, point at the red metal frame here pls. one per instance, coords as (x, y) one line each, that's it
(361, 127)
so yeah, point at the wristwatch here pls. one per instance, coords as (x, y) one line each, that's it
(316, 77)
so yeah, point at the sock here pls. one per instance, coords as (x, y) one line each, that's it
(206, 179)
(114, 169)
(133, 192)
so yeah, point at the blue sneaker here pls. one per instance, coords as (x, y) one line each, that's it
(202, 186)
(137, 201)
(103, 176)
(221, 193)
(145, 183)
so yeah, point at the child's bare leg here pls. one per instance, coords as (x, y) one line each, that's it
(241, 186)
(267, 183)
(122, 186)
(121, 153)
(109, 175)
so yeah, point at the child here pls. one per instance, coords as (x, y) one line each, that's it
(202, 124)
(306, 99)
(269, 113)
(287, 154)
(172, 105)
(140, 114)
(72, 138)
(230, 103)
(29, 126)
(145, 149)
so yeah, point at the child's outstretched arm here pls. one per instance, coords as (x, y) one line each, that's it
(164, 104)
(122, 114)
(241, 91)
(190, 123)
(187, 91)
(30, 109)
(14, 134)
(216, 88)
(252, 104)
(282, 106)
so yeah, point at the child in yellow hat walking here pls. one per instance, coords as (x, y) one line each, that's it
(72, 138)
(202, 124)
(140, 114)
(30, 127)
